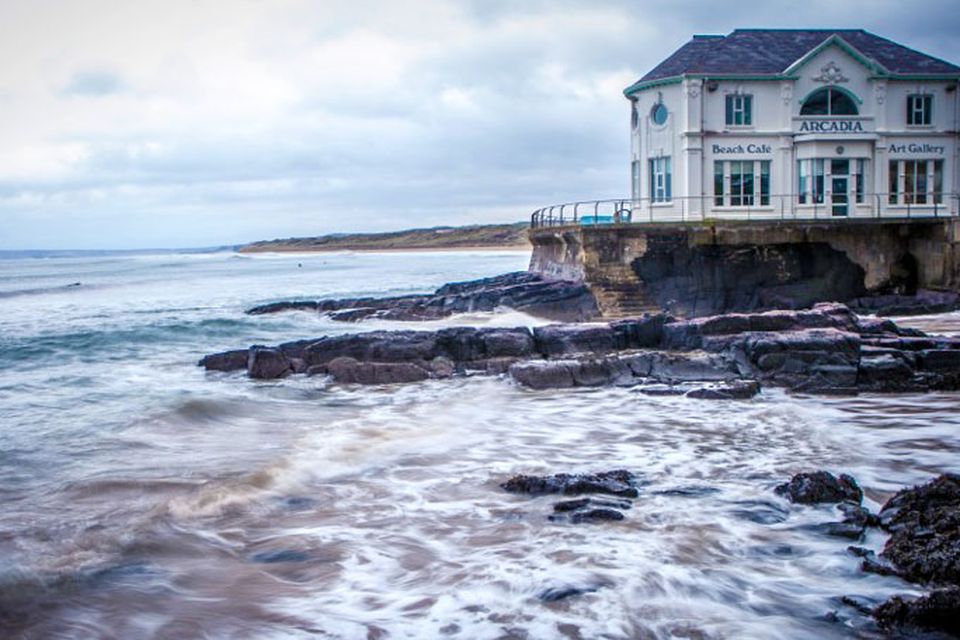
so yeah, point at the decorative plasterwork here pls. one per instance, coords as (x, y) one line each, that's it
(880, 91)
(786, 92)
(830, 73)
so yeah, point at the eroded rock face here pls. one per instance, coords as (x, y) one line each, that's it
(821, 487)
(529, 292)
(266, 363)
(709, 279)
(924, 526)
(350, 370)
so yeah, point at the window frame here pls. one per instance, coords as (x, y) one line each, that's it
(738, 104)
(661, 188)
(830, 91)
(741, 184)
(911, 186)
(919, 105)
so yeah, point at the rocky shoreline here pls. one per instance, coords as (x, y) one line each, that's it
(923, 524)
(827, 349)
(560, 300)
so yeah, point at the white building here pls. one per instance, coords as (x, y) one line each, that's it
(795, 123)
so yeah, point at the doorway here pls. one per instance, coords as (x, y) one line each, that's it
(839, 195)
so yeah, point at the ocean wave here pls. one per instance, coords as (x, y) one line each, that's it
(73, 286)
(124, 340)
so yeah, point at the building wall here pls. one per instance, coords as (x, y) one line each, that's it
(696, 135)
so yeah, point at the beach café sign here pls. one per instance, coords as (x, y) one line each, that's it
(831, 125)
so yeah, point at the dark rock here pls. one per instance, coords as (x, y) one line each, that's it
(555, 299)
(873, 564)
(825, 350)
(859, 603)
(374, 346)
(924, 523)
(349, 370)
(734, 390)
(617, 483)
(819, 487)
(855, 521)
(645, 332)
(922, 303)
(225, 361)
(687, 492)
(353, 315)
(596, 515)
(543, 374)
(285, 305)
(559, 374)
(937, 611)
(565, 340)
(940, 360)
(583, 503)
(661, 389)
(554, 594)
(686, 367)
(887, 370)
(506, 343)
(265, 363)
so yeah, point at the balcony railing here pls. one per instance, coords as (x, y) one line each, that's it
(773, 208)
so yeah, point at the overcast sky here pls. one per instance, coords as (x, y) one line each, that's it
(141, 123)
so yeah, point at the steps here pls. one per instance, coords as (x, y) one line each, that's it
(619, 292)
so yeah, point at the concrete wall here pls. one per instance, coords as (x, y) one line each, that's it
(755, 264)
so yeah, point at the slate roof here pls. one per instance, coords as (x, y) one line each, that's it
(773, 51)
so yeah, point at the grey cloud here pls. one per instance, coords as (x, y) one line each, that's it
(365, 158)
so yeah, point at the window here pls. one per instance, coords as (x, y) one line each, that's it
(635, 175)
(803, 180)
(829, 101)
(741, 183)
(842, 177)
(659, 113)
(859, 177)
(919, 110)
(818, 178)
(718, 183)
(660, 180)
(916, 182)
(739, 110)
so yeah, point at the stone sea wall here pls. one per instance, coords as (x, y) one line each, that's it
(709, 268)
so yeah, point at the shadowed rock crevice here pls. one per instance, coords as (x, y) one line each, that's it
(710, 279)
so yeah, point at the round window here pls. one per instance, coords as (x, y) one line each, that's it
(659, 113)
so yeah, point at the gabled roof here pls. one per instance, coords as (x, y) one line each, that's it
(772, 52)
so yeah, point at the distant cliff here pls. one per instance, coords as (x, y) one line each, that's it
(493, 236)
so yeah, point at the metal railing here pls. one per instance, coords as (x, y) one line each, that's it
(758, 208)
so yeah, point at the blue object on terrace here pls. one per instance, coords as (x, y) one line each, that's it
(588, 220)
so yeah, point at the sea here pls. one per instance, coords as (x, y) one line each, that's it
(143, 497)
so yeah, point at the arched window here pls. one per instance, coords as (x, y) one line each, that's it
(829, 101)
